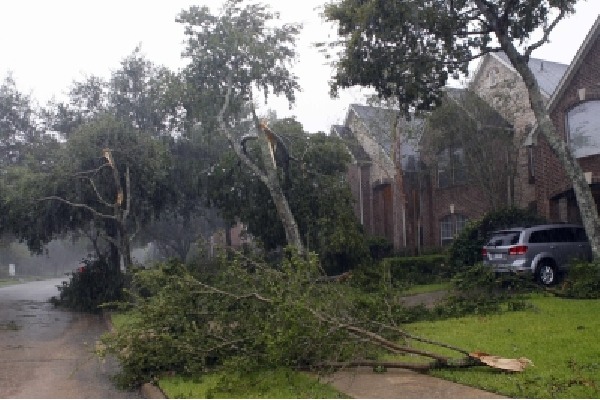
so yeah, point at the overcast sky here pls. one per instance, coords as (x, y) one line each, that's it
(47, 44)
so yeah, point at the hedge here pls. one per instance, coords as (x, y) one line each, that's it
(418, 270)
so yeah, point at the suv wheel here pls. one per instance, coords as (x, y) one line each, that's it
(547, 274)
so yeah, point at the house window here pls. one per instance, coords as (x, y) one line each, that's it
(583, 126)
(451, 167)
(450, 226)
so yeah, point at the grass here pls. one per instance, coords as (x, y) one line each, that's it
(267, 384)
(559, 335)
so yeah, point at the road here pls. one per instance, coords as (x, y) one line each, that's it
(49, 353)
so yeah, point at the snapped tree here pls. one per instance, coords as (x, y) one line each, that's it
(230, 54)
(408, 49)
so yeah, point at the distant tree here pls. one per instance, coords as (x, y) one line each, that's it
(139, 92)
(17, 126)
(409, 49)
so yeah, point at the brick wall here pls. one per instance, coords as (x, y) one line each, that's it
(551, 179)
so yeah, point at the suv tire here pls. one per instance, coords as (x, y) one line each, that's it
(547, 274)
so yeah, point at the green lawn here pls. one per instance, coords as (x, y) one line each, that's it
(268, 384)
(560, 336)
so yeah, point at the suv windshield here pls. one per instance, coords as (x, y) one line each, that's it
(504, 238)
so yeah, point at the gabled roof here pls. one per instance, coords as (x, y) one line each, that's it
(356, 150)
(382, 125)
(380, 122)
(581, 54)
(572, 69)
(547, 73)
(468, 100)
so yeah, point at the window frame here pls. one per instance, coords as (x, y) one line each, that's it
(584, 150)
(451, 164)
(450, 226)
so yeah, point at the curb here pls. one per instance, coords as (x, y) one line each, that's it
(147, 390)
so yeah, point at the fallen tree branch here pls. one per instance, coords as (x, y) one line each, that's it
(420, 367)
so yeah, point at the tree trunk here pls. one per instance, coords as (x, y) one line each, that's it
(583, 194)
(268, 176)
(292, 234)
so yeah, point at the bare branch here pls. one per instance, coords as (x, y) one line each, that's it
(96, 192)
(92, 171)
(128, 189)
(547, 32)
(78, 205)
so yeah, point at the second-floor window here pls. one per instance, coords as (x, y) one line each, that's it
(451, 167)
(583, 125)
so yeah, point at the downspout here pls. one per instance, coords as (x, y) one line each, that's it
(404, 223)
(360, 196)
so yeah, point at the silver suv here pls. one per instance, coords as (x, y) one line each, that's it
(541, 250)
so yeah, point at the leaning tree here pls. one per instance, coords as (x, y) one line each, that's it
(407, 49)
(230, 54)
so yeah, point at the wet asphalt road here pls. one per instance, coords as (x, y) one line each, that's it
(49, 353)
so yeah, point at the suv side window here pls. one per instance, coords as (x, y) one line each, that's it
(563, 235)
(541, 236)
(580, 235)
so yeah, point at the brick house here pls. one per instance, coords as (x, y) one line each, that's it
(431, 211)
(381, 146)
(575, 110)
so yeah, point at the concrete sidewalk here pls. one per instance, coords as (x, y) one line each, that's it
(363, 383)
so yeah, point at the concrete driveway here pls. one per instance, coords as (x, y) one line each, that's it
(49, 353)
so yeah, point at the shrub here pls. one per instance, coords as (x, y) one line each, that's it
(90, 286)
(418, 270)
(582, 281)
(466, 248)
(478, 290)
(379, 248)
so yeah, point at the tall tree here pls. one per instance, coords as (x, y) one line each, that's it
(409, 48)
(17, 127)
(144, 94)
(230, 54)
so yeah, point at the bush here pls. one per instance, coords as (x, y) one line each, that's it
(419, 270)
(400, 273)
(90, 286)
(478, 290)
(582, 281)
(379, 248)
(466, 248)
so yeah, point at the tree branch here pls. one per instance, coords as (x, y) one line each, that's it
(78, 205)
(547, 32)
(96, 192)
